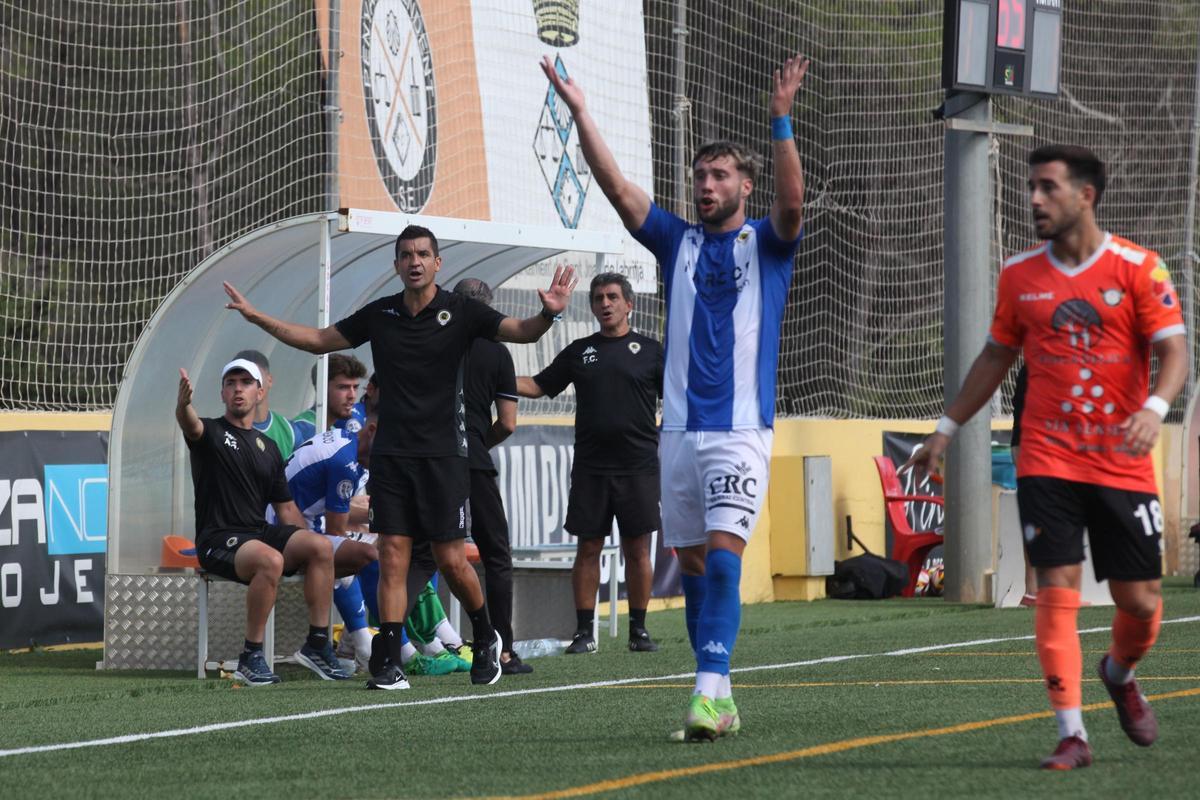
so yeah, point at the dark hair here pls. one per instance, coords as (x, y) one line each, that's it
(416, 232)
(258, 358)
(606, 278)
(342, 364)
(1083, 165)
(474, 289)
(747, 161)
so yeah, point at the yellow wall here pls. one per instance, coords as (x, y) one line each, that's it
(49, 421)
(775, 561)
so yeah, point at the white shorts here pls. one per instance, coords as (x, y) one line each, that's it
(712, 481)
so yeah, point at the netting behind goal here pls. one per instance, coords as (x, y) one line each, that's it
(137, 137)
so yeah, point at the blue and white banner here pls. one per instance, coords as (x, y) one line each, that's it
(53, 532)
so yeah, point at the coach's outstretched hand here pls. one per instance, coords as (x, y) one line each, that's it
(556, 298)
(185, 389)
(567, 89)
(238, 302)
(785, 83)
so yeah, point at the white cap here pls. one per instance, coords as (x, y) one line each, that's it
(243, 364)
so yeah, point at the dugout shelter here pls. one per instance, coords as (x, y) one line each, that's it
(317, 268)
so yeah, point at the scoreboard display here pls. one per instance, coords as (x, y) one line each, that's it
(1002, 46)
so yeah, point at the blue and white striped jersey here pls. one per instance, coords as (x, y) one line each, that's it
(323, 474)
(725, 297)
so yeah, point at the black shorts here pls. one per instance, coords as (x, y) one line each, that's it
(596, 499)
(216, 550)
(1124, 527)
(424, 498)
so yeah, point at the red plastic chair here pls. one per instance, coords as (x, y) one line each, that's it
(908, 545)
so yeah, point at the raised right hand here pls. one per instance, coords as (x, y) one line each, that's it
(185, 389)
(570, 92)
(237, 301)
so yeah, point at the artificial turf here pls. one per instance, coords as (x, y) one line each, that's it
(947, 720)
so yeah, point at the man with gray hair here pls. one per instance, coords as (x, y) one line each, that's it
(617, 374)
(491, 380)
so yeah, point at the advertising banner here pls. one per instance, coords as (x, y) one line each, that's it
(53, 535)
(445, 112)
(534, 467)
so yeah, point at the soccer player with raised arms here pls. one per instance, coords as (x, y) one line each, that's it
(1086, 308)
(726, 282)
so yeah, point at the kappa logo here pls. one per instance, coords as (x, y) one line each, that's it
(743, 468)
(462, 517)
(744, 522)
(589, 355)
(716, 648)
(589, 349)
(391, 311)
(230, 441)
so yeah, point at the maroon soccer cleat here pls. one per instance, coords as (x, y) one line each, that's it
(1071, 752)
(1136, 715)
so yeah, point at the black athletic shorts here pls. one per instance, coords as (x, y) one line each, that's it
(596, 499)
(1124, 528)
(425, 498)
(216, 550)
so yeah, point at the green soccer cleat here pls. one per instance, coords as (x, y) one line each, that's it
(424, 665)
(702, 722)
(458, 663)
(728, 721)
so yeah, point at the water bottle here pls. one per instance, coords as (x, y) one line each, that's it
(535, 648)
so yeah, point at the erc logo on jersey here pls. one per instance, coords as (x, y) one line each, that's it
(345, 489)
(260, 444)
(635, 348)
(1112, 297)
(443, 317)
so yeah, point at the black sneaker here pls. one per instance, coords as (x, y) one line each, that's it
(323, 662)
(515, 666)
(389, 677)
(378, 655)
(640, 641)
(485, 661)
(582, 643)
(252, 670)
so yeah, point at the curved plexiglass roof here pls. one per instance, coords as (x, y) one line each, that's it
(278, 268)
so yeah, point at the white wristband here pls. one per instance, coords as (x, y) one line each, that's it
(1157, 405)
(946, 427)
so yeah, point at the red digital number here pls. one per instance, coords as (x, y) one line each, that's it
(1010, 24)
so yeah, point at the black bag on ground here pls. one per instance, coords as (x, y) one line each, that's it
(866, 577)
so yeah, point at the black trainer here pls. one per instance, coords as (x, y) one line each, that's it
(390, 677)
(640, 641)
(515, 666)
(378, 655)
(582, 643)
(485, 661)
(252, 669)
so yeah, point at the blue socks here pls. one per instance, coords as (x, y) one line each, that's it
(349, 602)
(694, 589)
(721, 614)
(368, 577)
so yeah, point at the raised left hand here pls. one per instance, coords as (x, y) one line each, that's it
(785, 83)
(556, 298)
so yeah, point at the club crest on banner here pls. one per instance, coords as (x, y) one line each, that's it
(401, 100)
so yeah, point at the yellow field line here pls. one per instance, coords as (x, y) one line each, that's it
(659, 776)
(913, 682)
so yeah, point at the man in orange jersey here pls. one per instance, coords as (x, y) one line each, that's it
(1086, 308)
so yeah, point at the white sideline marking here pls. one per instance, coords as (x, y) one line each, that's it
(332, 712)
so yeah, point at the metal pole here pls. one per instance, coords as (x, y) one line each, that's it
(682, 108)
(967, 195)
(333, 118)
(1189, 232)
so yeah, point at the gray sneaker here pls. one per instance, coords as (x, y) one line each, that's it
(323, 662)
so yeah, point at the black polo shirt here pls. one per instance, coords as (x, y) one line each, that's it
(236, 473)
(617, 381)
(490, 377)
(419, 366)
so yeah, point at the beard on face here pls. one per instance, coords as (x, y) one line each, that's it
(720, 212)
